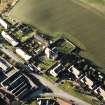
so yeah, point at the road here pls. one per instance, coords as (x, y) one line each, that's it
(54, 87)
(11, 54)
(58, 92)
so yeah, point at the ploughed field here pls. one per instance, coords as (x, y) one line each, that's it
(66, 16)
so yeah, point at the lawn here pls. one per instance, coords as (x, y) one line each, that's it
(46, 63)
(65, 47)
(50, 78)
(24, 38)
(83, 26)
(68, 88)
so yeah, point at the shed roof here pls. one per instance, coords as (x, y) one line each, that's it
(23, 54)
(3, 23)
(75, 71)
(7, 37)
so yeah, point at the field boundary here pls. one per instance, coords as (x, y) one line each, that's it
(89, 7)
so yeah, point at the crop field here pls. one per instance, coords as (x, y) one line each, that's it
(96, 4)
(66, 16)
(97, 1)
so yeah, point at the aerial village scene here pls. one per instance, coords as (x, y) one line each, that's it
(41, 64)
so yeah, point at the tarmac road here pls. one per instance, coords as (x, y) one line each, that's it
(11, 54)
(58, 92)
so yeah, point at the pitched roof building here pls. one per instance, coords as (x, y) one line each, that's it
(23, 54)
(8, 38)
(4, 64)
(3, 23)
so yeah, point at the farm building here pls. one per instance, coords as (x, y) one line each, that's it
(75, 71)
(8, 38)
(56, 70)
(16, 83)
(4, 64)
(3, 23)
(50, 53)
(100, 91)
(23, 54)
(87, 81)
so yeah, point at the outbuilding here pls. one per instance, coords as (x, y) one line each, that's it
(87, 81)
(56, 70)
(23, 54)
(3, 23)
(75, 71)
(8, 38)
(101, 91)
(4, 64)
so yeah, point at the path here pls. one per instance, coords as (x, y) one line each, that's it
(58, 92)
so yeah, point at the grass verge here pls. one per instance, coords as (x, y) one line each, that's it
(69, 89)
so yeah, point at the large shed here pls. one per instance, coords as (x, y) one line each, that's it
(8, 38)
(23, 54)
(3, 23)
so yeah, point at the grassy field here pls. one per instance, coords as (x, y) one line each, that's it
(98, 5)
(66, 16)
(97, 1)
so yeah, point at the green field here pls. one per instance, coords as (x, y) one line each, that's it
(66, 16)
(46, 64)
(97, 1)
